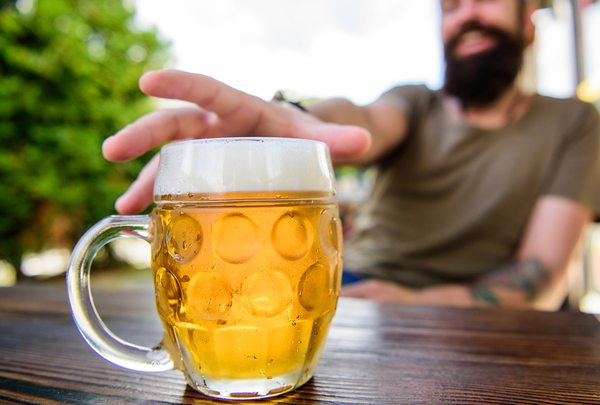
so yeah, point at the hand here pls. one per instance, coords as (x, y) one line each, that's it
(378, 290)
(389, 292)
(220, 111)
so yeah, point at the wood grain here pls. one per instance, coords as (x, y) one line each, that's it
(376, 354)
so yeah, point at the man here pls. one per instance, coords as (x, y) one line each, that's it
(482, 192)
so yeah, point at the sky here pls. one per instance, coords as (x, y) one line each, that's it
(321, 48)
(351, 48)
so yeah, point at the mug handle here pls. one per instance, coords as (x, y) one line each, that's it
(91, 327)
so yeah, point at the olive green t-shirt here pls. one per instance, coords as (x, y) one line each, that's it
(452, 202)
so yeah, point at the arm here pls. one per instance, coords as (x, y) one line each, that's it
(386, 124)
(550, 238)
(552, 234)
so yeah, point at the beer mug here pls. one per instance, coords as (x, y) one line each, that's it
(246, 257)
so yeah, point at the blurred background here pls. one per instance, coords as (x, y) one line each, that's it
(68, 80)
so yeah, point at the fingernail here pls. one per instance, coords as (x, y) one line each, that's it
(119, 202)
(104, 143)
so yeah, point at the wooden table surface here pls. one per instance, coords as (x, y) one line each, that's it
(376, 354)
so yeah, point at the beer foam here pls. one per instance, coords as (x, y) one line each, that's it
(226, 165)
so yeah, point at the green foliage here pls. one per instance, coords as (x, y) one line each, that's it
(68, 79)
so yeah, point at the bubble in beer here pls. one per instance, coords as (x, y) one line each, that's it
(267, 293)
(290, 236)
(235, 238)
(168, 292)
(314, 286)
(184, 238)
(210, 295)
(329, 232)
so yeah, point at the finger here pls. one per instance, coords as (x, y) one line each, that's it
(201, 90)
(344, 141)
(140, 193)
(242, 114)
(154, 129)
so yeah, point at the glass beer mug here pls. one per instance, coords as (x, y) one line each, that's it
(246, 257)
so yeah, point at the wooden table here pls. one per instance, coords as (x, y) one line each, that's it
(376, 354)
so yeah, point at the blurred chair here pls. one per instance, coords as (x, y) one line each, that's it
(584, 273)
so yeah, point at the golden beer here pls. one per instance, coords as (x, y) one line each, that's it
(246, 260)
(247, 290)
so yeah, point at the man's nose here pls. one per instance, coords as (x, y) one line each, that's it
(467, 11)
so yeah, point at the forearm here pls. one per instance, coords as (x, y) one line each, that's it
(537, 277)
(339, 111)
(515, 286)
(386, 124)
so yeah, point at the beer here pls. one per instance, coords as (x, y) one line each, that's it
(247, 289)
(246, 261)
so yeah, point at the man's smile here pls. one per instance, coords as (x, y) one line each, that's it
(472, 42)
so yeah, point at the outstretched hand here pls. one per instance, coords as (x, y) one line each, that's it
(220, 111)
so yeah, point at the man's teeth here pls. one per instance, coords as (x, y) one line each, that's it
(471, 36)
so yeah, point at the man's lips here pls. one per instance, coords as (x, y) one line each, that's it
(472, 42)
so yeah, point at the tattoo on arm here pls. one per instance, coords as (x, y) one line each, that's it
(528, 276)
(485, 294)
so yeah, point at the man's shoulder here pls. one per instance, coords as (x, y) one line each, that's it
(569, 104)
(564, 114)
(411, 97)
(412, 88)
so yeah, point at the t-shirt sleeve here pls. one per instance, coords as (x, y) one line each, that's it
(407, 98)
(576, 173)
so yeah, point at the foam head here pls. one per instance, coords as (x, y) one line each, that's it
(244, 165)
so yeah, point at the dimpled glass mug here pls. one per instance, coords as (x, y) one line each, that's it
(247, 261)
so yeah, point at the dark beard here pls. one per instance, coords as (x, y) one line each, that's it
(478, 80)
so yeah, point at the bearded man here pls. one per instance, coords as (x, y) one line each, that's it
(482, 191)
